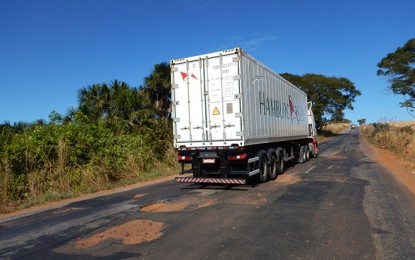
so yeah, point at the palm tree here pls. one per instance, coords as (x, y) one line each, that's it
(143, 109)
(159, 87)
(117, 105)
(121, 99)
(91, 101)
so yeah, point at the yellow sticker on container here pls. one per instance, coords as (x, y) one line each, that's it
(216, 111)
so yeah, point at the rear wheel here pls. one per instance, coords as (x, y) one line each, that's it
(280, 163)
(302, 156)
(307, 152)
(274, 168)
(263, 171)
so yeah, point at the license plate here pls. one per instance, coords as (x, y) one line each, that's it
(208, 160)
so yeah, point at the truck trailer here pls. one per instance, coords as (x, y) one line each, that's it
(235, 120)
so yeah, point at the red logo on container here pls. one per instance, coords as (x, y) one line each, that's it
(185, 75)
(293, 110)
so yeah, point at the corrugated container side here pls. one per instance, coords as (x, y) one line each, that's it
(274, 109)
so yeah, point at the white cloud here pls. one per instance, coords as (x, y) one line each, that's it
(249, 43)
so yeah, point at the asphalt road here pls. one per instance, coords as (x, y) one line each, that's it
(341, 205)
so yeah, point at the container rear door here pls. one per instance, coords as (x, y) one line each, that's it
(188, 100)
(207, 101)
(223, 104)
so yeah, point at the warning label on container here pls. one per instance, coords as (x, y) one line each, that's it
(216, 111)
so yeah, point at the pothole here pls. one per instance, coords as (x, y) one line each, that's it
(169, 206)
(130, 233)
(165, 206)
(286, 178)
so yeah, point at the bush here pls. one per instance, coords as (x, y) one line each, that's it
(381, 127)
(396, 137)
(56, 159)
(407, 129)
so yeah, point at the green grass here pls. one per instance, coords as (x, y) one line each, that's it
(160, 171)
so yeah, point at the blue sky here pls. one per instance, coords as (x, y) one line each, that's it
(49, 49)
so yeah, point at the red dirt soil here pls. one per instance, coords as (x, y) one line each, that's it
(130, 233)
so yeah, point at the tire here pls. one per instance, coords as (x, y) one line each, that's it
(280, 163)
(263, 171)
(307, 153)
(301, 155)
(273, 171)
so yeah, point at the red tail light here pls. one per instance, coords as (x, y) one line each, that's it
(238, 157)
(184, 158)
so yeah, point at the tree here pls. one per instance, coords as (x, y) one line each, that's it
(158, 86)
(362, 121)
(55, 117)
(399, 68)
(330, 95)
(117, 105)
(92, 101)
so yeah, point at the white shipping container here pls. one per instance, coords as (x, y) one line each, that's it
(229, 98)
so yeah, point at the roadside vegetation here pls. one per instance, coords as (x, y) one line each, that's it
(117, 135)
(332, 129)
(398, 137)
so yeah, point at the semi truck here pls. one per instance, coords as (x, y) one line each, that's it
(235, 121)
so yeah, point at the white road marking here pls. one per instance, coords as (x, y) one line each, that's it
(309, 170)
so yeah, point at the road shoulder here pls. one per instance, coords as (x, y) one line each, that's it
(61, 203)
(400, 168)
